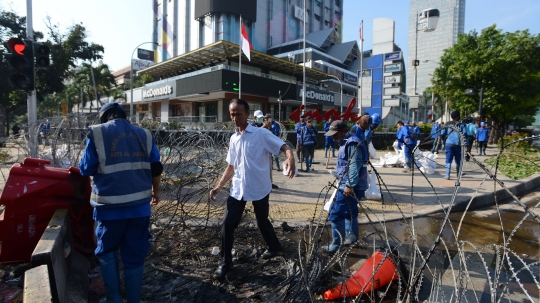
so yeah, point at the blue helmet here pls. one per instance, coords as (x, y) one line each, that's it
(376, 119)
(110, 109)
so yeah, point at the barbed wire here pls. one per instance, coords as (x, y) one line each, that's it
(186, 223)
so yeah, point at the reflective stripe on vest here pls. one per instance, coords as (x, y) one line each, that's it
(122, 198)
(108, 169)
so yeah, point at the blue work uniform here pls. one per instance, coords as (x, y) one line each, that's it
(405, 137)
(309, 136)
(453, 147)
(298, 128)
(353, 174)
(119, 156)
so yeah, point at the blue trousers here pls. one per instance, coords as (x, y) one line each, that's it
(408, 154)
(453, 152)
(129, 235)
(344, 218)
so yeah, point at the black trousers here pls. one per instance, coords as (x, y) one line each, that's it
(233, 215)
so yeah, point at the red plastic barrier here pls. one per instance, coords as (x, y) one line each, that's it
(31, 195)
(365, 280)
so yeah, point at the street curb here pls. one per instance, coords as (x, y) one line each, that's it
(480, 200)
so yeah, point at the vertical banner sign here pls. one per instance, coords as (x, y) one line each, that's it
(367, 82)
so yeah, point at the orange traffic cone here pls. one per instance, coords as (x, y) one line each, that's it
(365, 279)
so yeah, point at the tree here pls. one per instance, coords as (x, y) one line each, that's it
(87, 75)
(506, 65)
(67, 48)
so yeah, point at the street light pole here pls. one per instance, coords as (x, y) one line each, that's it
(131, 79)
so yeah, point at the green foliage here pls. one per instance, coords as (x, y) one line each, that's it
(425, 128)
(506, 65)
(519, 160)
(518, 166)
(522, 121)
(289, 124)
(174, 125)
(149, 124)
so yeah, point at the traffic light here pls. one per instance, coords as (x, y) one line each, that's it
(42, 55)
(21, 62)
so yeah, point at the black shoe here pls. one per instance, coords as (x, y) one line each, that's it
(269, 254)
(274, 186)
(221, 271)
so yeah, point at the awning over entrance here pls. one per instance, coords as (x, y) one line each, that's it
(218, 52)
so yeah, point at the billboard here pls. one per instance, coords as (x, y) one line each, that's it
(392, 56)
(390, 68)
(141, 64)
(350, 78)
(392, 91)
(392, 79)
(391, 102)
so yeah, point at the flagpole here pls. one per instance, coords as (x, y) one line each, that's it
(304, 63)
(361, 64)
(240, 62)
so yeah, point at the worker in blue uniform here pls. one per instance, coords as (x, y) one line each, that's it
(482, 136)
(435, 135)
(352, 175)
(453, 143)
(125, 163)
(298, 129)
(309, 141)
(409, 143)
(328, 140)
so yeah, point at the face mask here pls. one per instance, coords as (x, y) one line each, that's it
(259, 120)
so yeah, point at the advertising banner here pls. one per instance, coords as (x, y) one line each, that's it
(350, 78)
(390, 68)
(392, 56)
(392, 79)
(145, 54)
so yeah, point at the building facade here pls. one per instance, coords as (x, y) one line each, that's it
(429, 46)
(181, 26)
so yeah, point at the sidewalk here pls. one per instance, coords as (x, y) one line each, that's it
(408, 194)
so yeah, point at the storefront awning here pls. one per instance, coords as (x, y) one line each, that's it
(218, 52)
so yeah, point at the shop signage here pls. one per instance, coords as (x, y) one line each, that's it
(350, 78)
(163, 91)
(141, 64)
(145, 54)
(316, 95)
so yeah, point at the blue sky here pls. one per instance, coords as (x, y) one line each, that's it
(121, 25)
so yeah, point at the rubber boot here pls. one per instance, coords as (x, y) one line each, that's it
(351, 227)
(111, 278)
(479, 151)
(326, 151)
(484, 150)
(307, 164)
(447, 175)
(338, 232)
(133, 279)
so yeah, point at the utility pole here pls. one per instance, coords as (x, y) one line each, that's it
(31, 102)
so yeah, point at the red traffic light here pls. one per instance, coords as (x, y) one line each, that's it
(16, 45)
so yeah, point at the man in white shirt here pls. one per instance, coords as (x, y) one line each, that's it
(248, 164)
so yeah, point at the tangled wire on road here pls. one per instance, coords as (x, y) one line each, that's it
(441, 266)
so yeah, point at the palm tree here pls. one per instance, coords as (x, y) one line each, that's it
(100, 76)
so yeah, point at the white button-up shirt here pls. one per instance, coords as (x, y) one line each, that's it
(249, 154)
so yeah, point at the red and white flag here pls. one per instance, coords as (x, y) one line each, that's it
(362, 32)
(246, 45)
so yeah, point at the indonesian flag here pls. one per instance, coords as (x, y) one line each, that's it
(362, 32)
(246, 45)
